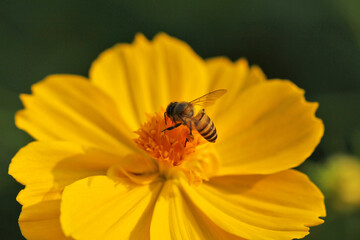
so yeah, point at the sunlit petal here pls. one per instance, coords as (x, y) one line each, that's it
(277, 206)
(271, 128)
(100, 208)
(175, 217)
(41, 221)
(235, 77)
(146, 76)
(46, 167)
(70, 108)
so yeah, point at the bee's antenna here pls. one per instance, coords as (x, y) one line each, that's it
(165, 117)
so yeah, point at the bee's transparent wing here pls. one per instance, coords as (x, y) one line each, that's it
(209, 98)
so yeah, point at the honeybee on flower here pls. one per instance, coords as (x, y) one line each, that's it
(183, 113)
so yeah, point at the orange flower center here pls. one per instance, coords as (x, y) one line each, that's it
(166, 146)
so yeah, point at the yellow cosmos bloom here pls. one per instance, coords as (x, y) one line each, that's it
(101, 167)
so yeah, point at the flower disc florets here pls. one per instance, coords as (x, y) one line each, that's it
(166, 146)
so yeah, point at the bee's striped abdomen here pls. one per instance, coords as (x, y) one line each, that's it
(206, 127)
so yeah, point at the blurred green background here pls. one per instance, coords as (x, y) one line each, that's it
(315, 43)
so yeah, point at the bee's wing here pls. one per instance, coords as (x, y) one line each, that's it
(209, 98)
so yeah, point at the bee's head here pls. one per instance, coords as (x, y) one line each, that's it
(170, 109)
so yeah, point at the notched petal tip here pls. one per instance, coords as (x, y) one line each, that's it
(175, 43)
(220, 61)
(140, 38)
(256, 70)
(242, 63)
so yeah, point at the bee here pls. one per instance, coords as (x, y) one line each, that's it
(182, 113)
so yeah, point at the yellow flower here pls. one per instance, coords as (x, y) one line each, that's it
(101, 167)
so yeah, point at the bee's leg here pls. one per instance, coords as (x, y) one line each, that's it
(165, 117)
(171, 128)
(189, 137)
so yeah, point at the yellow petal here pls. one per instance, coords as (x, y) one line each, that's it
(224, 74)
(70, 108)
(269, 128)
(46, 167)
(145, 76)
(175, 217)
(42, 221)
(236, 77)
(277, 206)
(99, 208)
